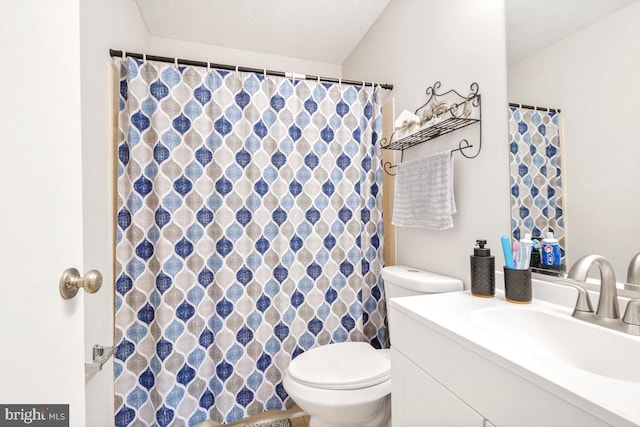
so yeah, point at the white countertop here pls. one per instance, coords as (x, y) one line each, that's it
(614, 400)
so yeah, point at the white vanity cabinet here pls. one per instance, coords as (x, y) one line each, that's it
(440, 379)
(419, 400)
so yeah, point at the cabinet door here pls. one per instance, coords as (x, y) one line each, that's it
(417, 400)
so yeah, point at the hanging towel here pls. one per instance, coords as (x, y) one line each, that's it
(424, 193)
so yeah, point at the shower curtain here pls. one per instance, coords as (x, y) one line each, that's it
(249, 230)
(536, 174)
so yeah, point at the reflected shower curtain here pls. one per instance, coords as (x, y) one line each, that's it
(536, 174)
(248, 231)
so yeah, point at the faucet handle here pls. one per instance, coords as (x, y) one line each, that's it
(632, 313)
(583, 303)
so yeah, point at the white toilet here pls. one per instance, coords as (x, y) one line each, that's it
(349, 384)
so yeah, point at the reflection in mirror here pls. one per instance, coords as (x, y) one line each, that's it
(536, 184)
(591, 75)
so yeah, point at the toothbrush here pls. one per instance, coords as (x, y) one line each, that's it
(506, 250)
(516, 250)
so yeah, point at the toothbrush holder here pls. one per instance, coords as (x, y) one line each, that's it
(517, 285)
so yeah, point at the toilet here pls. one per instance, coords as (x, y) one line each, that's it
(349, 384)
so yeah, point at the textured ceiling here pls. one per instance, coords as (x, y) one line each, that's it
(318, 30)
(328, 30)
(533, 25)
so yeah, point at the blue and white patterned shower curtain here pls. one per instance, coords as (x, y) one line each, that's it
(536, 174)
(249, 229)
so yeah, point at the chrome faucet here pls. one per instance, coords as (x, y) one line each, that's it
(608, 311)
(633, 274)
(608, 302)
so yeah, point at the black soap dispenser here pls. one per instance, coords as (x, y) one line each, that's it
(483, 267)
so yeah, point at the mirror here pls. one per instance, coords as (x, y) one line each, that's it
(589, 71)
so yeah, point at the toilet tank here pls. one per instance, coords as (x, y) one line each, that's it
(401, 281)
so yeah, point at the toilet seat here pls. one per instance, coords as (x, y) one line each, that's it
(341, 366)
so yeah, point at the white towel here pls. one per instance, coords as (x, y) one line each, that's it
(424, 193)
(406, 124)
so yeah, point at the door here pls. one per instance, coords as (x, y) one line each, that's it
(42, 359)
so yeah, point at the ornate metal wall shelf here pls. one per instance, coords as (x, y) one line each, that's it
(438, 118)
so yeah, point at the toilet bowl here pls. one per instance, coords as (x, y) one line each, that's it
(342, 384)
(349, 384)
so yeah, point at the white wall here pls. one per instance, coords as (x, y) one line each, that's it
(103, 25)
(592, 76)
(117, 24)
(413, 44)
(243, 58)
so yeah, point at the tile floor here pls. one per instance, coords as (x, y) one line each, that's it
(302, 421)
(296, 416)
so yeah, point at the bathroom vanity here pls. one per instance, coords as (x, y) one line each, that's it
(459, 360)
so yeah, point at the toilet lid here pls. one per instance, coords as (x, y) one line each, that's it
(341, 366)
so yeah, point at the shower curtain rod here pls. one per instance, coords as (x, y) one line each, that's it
(533, 107)
(119, 54)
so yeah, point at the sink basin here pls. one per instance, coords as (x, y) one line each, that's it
(560, 337)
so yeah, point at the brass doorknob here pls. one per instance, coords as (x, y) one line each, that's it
(71, 281)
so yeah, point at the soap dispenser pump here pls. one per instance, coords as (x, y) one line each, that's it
(483, 266)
